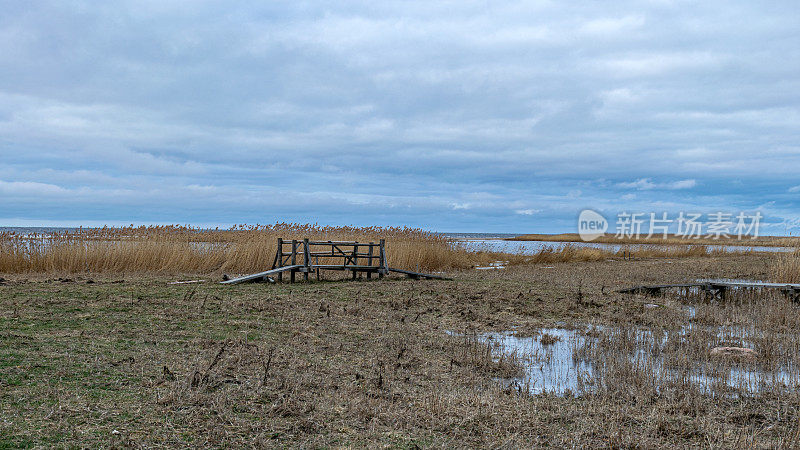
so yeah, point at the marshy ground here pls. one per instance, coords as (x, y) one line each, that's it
(133, 360)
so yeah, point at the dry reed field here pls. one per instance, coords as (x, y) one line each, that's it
(178, 249)
(247, 249)
(786, 268)
(112, 361)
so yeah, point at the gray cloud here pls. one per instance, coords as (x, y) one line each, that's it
(447, 115)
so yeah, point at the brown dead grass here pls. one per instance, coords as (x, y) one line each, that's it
(786, 267)
(248, 249)
(243, 249)
(142, 363)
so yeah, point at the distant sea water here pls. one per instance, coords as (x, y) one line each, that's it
(35, 230)
(480, 236)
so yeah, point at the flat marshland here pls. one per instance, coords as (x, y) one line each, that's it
(248, 249)
(124, 358)
(176, 249)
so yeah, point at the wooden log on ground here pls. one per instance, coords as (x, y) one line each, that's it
(716, 289)
(418, 275)
(258, 276)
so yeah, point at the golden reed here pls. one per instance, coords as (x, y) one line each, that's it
(185, 249)
(251, 248)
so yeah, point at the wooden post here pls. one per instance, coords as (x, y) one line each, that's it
(382, 260)
(317, 263)
(294, 259)
(280, 258)
(369, 253)
(355, 259)
(306, 260)
(275, 261)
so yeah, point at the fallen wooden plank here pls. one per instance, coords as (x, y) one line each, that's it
(256, 276)
(712, 284)
(300, 267)
(659, 286)
(186, 282)
(418, 275)
(765, 284)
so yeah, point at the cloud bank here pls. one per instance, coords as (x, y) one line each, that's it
(455, 116)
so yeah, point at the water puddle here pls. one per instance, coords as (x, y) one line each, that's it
(580, 361)
(548, 359)
(533, 247)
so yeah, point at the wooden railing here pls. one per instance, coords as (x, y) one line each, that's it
(304, 256)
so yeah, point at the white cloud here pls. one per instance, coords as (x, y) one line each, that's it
(527, 212)
(682, 184)
(29, 188)
(650, 64)
(646, 184)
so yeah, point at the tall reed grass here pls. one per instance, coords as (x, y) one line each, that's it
(786, 268)
(251, 248)
(184, 249)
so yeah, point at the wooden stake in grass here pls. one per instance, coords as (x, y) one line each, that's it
(266, 364)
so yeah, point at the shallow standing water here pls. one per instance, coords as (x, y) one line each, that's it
(559, 364)
(548, 368)
(533, 247)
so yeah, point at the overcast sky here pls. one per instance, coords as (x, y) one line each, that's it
(453, 116)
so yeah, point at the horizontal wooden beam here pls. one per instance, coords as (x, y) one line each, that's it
(342, 243)
(337, 255)
(345, 267)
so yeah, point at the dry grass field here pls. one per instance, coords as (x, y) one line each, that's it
(177, 249)
(786, 267)
(105, 359)
(247, 249)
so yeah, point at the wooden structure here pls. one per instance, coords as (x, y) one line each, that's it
(718, 289)
(307, 257)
